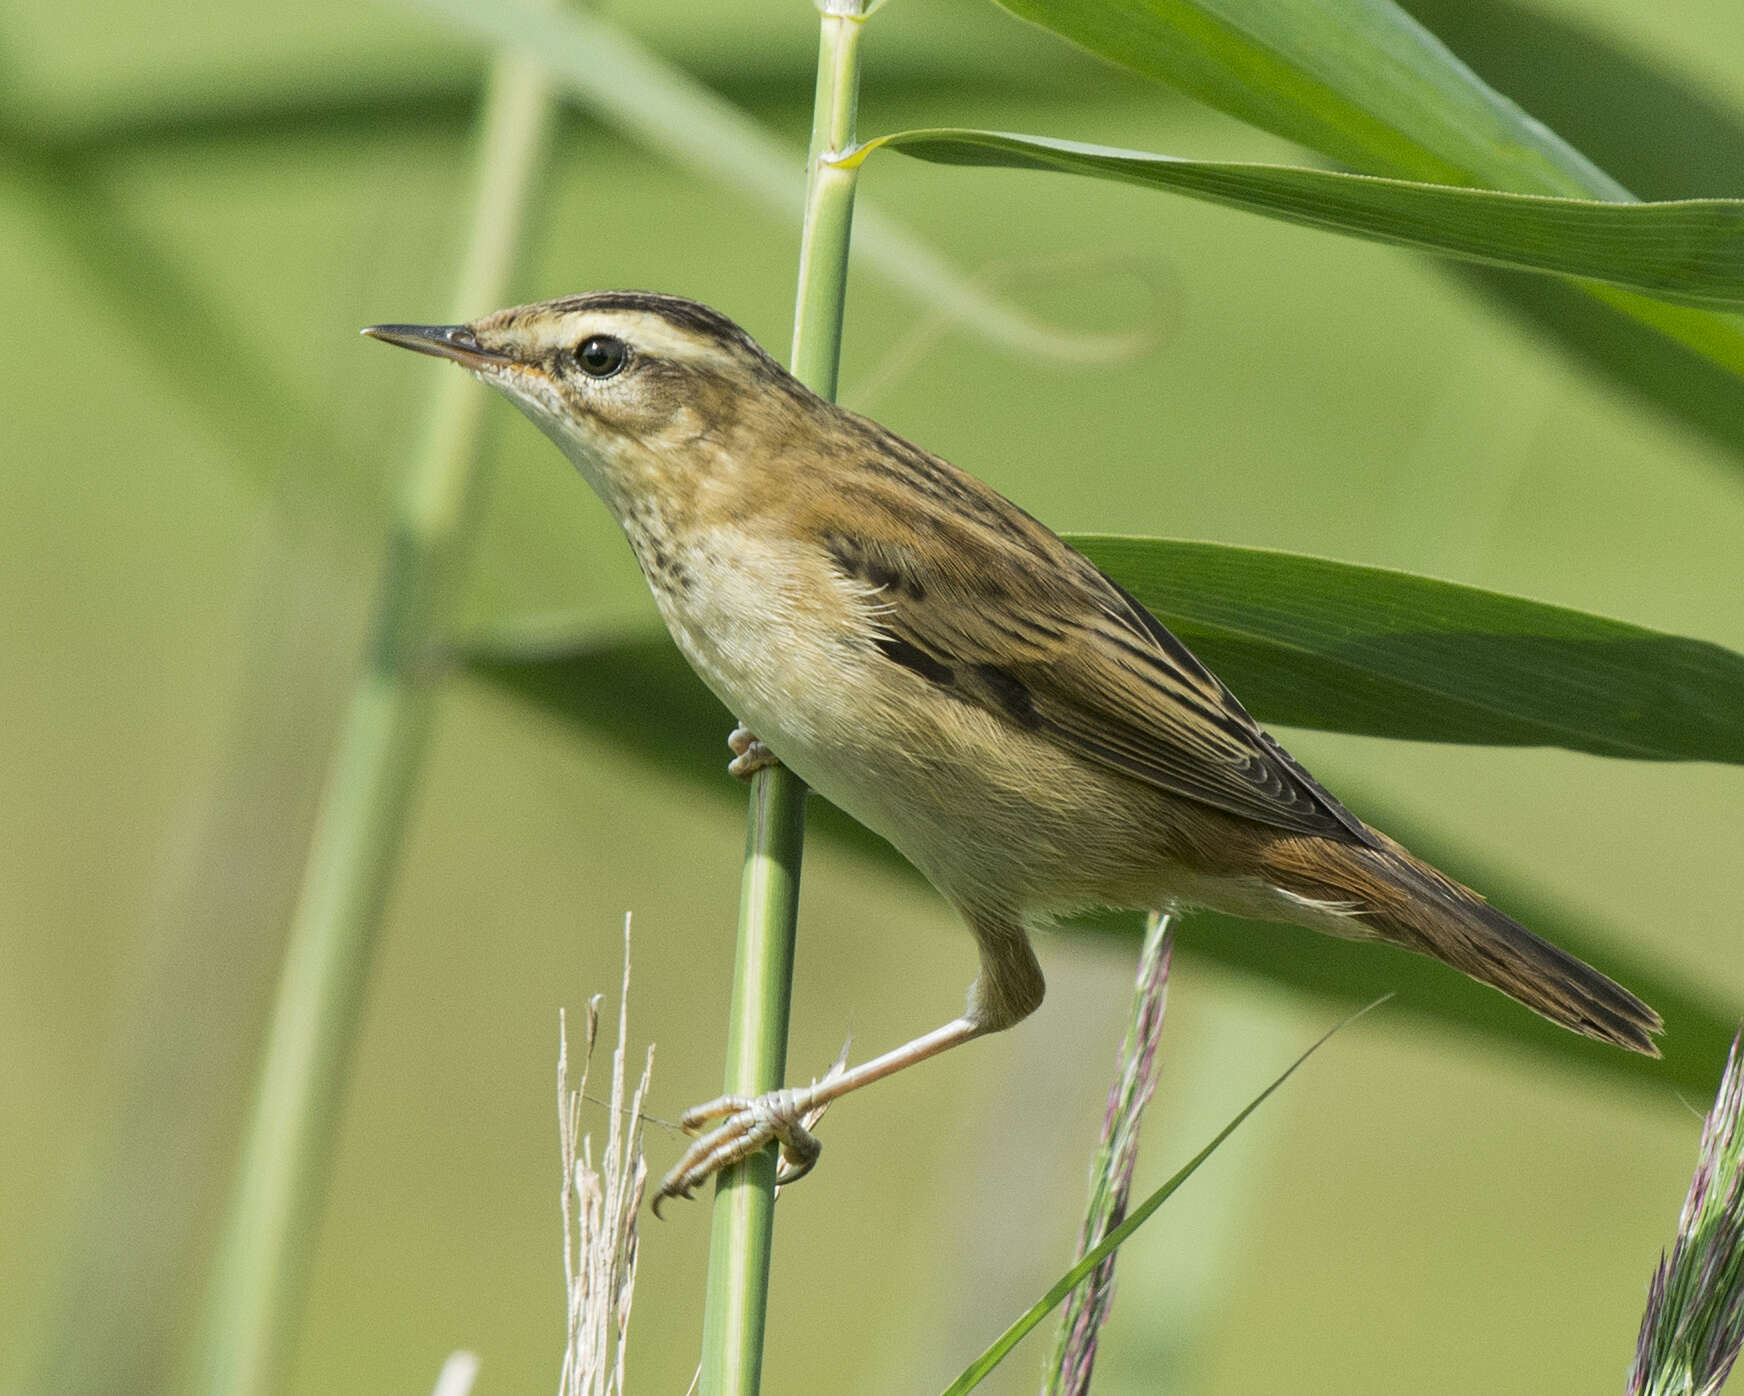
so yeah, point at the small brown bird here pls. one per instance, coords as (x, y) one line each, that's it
(944, 668)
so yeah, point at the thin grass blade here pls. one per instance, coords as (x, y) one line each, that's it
(978, 1369)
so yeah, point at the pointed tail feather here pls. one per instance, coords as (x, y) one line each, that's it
(1396, 897)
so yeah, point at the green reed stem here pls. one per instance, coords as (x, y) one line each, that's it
(744, 1211)
(260, 1273)
(744, 1214)
(829, 201)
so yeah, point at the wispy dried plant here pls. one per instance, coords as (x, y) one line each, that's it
(1135, 1079)
(1694, 1325)
(600, 1207)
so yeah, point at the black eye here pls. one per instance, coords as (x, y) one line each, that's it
(601, 356)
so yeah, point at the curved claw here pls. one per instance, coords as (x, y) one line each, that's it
(793, 1167)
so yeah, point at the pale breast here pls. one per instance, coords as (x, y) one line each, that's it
(758, 626)
(787, 643)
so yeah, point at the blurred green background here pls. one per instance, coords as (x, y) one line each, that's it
(191, 523)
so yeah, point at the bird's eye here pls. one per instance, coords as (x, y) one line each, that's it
(601, 355)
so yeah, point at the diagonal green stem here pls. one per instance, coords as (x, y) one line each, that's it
(744, 1214)
(256, 1287)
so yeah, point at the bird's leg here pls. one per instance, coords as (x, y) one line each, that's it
(1009, 988)
(749, 754)
(747, 1123)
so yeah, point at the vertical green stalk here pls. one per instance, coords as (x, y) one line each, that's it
(744, 1214)
(258, 1278)
(829, 200)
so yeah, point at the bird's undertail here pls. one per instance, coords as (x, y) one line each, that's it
(1398, 898)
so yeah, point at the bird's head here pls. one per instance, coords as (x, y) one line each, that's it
(657, 400)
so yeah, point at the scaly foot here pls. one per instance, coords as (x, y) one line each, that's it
(747, 1123)
(749, 757)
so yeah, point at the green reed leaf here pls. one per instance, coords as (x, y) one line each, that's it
(1308, 642)
(1359, 80)
(1690, 250)
(1366, 84)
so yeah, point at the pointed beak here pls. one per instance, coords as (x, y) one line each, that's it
(455, 342)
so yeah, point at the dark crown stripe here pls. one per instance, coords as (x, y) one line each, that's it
(678, 312)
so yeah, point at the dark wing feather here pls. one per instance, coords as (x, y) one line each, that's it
(992, 607)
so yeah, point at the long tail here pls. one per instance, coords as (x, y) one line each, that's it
(1386, 893)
